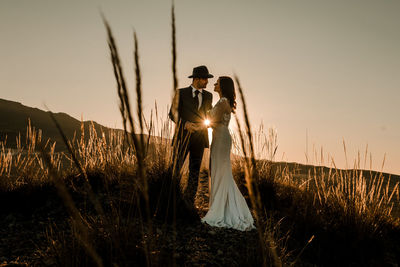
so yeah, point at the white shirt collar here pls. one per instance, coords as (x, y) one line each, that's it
(194, 89)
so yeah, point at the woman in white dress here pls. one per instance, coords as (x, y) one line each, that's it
(227, 206)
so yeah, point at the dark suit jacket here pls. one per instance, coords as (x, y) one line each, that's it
(183, 109)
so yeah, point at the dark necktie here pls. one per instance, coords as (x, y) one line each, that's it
(196, 98)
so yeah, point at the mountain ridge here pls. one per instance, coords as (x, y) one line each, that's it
(15, 117)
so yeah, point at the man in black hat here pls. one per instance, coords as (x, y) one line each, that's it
(188, 111)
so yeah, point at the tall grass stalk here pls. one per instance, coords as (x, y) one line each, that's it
(174, 54)
(141, 151)
(175, 100)
(126, 113)
(172, 187)
(251, 179)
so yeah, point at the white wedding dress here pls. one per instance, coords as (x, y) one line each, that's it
(227, 206)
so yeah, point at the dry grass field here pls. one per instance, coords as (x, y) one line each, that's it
(92, 207)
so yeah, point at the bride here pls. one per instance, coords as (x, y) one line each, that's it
(227, 206)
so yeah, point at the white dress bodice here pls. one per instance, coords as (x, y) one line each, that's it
(220, 114)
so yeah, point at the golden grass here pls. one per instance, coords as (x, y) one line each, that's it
(349, 194)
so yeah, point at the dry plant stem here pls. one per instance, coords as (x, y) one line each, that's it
(247, 121)
(123, 93)
(176, 100)
(77, 218)
(125, 108)
(121, 87)
(249, 185)
(140, 153)
(149, 128)
(174, 72)
(302, 250)
(138, 91)
(243, 142)
(254, 194)
(174, 49)
(127, 116)
(117, 77)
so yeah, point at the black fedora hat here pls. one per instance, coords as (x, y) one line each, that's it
(201, 72)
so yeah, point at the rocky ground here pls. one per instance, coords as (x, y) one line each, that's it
(24, 242)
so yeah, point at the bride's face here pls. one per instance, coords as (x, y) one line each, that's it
(217, 88)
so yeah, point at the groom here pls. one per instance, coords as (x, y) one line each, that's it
(188, 111)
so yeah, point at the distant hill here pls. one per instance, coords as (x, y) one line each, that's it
(306, 171)
(14, 119)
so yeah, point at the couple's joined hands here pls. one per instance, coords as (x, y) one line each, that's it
(193, 127)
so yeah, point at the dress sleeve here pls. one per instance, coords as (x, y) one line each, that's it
(216, 113)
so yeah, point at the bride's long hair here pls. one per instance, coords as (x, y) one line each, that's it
(228, 91)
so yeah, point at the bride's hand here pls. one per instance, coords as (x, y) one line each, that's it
(198, 126)
(190, 127)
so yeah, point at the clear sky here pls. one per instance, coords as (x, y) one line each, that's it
(315, 70)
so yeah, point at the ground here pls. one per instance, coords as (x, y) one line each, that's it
(23, 239)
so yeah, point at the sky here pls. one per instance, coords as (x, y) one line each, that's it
(318, 72)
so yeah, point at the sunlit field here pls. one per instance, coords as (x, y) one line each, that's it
(99, 211)
(111, 199)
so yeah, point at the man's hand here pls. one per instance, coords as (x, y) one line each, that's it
(190, 126)
(193, 127)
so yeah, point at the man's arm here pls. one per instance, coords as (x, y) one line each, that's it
(174, 113)
(174, 110)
